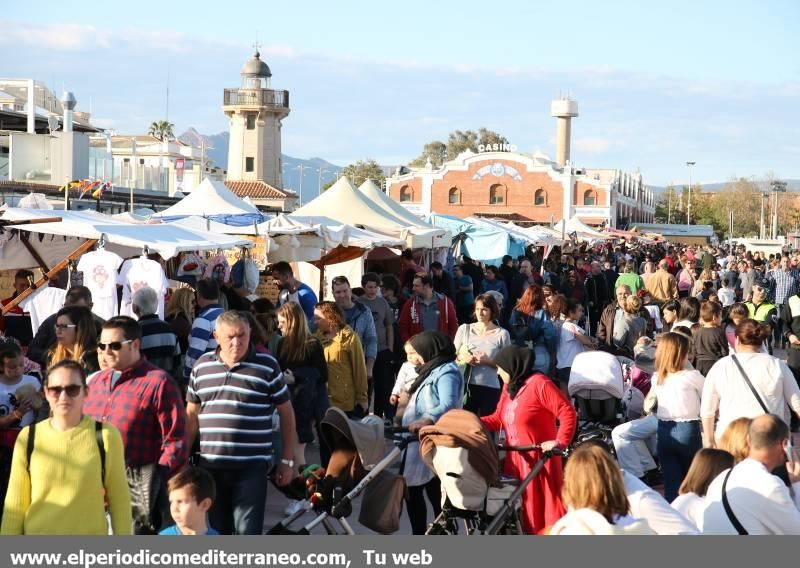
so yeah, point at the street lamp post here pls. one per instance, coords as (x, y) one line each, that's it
(777, 188)
(302, 168)
(319, 190)
(689, 200)
(669, 206)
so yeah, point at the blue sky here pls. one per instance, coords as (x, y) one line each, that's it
(713, 82)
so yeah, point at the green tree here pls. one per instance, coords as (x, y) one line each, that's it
(457, 141)
(162, 130)
(361, 171)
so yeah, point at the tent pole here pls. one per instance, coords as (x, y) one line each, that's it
(321, 282)
(23, 237)
(50, 273)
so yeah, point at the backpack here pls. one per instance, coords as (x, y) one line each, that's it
(98, 432)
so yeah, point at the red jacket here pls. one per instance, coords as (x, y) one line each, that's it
(410, 321)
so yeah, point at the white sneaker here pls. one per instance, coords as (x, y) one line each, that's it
(293, 506)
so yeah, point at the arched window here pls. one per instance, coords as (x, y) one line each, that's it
(540, 197)
(406, 194)
(497, 194)
(454, 196)
(589, 197)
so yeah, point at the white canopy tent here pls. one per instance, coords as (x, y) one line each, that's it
(345, 204)
(542, 236)
(532, 237)
(55, 241)
(210, 199)
(584, 231)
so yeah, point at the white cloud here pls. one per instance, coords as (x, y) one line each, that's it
(592, 145)
(48, 36)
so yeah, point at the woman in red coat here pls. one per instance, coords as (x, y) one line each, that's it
(528, 409)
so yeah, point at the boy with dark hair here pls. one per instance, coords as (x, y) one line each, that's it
(191, 494)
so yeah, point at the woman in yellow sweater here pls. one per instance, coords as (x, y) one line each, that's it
(347, 369)
(62, 490)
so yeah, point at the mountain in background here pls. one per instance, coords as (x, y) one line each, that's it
(217, 151)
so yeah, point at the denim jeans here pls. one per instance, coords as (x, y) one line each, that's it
(678, 442)
(635, 443)
(241, 498)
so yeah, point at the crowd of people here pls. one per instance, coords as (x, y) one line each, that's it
(175, 425)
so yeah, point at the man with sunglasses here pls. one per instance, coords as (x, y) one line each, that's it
(144, 403)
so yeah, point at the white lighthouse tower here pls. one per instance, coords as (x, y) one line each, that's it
(255, 112)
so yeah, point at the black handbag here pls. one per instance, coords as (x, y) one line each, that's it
(149, 502)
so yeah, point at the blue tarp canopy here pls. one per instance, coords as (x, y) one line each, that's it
(479, 241)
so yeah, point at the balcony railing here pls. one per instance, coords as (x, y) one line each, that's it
(257, 97)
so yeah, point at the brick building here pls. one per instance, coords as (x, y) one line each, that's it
(527, 189)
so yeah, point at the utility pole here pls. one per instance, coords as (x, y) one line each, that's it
(761, 222)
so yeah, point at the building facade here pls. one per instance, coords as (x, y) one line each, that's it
(528, 189)
(145, 162)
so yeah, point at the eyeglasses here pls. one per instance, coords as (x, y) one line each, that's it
(71, 390)
(63, 326)
(114, 345)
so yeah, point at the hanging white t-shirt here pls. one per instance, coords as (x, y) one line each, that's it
(42, 304)
(8, 400)
(100, 276)
(137, 273)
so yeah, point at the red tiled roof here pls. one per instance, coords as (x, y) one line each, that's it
(258, 190)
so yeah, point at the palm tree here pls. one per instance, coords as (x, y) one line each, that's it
(162, 130)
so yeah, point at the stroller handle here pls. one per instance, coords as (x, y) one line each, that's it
(550, 453)
(529, 448)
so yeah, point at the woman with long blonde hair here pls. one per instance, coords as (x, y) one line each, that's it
(678, 391)
(180, 315)
(594, 493)
(302, 359)
(76, 338)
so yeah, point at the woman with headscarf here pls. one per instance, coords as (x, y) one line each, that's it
(528, 410)
(438, 388)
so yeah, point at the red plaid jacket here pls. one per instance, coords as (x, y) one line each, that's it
(146, 407)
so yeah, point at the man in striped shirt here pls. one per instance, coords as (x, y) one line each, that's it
(231, 398)
(202, 340)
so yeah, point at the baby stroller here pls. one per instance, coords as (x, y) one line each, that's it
(596, 384)
(358, 465)
(462, 454)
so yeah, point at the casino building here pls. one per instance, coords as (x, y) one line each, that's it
(524, 188)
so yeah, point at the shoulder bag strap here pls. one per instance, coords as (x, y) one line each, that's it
(98, 432)
(29, 449)
(749, 384)
(728, 511)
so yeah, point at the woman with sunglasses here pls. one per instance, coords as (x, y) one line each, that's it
(76, 338)
(62, 482)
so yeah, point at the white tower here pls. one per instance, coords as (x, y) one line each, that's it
(564, 109)
(255, 112)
